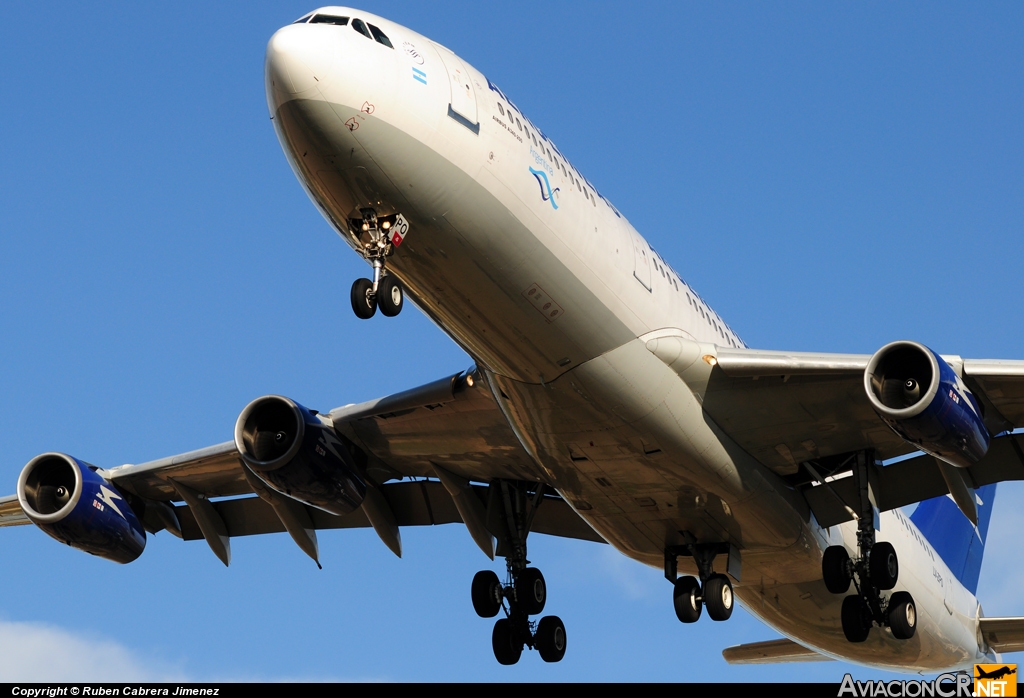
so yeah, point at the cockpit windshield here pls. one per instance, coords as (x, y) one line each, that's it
(329, 19)
(380, 36)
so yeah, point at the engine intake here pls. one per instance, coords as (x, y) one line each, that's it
(297, 454)
(923, 400)
(70, 502)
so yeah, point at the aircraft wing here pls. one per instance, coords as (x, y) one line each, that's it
(1004, 634)
(404, 443)
(771, 652)
(804, 414)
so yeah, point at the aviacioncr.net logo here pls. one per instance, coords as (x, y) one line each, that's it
(944, 686)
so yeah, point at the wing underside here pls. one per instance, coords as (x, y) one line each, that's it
(805, 415)
(403, 444)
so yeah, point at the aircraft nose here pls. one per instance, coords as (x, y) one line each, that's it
(298, 61)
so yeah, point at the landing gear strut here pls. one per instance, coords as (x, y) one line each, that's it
(511, 509)
(874, 570)
(384, 291)
(690, 595)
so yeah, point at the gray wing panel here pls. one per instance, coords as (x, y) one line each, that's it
(462, 430)
(789, 407)
(214, 471)
(448, 422)
(11, 513)
(1002, 382)
(785, 419)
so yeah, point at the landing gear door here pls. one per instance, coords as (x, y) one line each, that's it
(641, 259)
(462, 107)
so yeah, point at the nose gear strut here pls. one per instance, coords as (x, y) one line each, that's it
(380, 236)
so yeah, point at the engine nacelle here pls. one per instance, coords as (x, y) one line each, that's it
(69, 501)
(923, 400)
(293, 451)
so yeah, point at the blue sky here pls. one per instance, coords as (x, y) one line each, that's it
(830, 177)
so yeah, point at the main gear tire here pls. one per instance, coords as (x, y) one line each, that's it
(902, 615)
(718, 597)
(550, 639)
(835, 569)
(686, 598)
(884, 566)
(486, 593)
(856, 619)
(531, 591)
(507, 649)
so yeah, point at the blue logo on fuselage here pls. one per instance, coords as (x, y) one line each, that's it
(546, 192)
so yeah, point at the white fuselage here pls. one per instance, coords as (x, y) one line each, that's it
(520, 260)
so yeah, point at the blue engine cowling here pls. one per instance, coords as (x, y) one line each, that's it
(69, 501)
(293, 451)
(923, 400)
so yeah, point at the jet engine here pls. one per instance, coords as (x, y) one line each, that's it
(293, 451)
(69, 501)
(923, 400)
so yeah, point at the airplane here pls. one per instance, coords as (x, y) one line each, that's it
(994, 674)
(532, 421)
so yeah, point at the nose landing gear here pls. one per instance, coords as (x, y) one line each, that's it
(380, 237)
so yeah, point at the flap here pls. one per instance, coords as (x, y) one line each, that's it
(419, 503)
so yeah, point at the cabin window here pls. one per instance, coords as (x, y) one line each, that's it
(358, 25)
(501, 109)
(329, 19)
(380, 36)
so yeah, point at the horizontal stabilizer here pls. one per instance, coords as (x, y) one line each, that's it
(772, 652)
(1004, 634)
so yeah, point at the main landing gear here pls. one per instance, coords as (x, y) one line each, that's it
(876, 569)
(384, 291)
(690, 595)
(524, 592)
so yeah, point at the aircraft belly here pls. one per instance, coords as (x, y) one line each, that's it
(626, 443)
